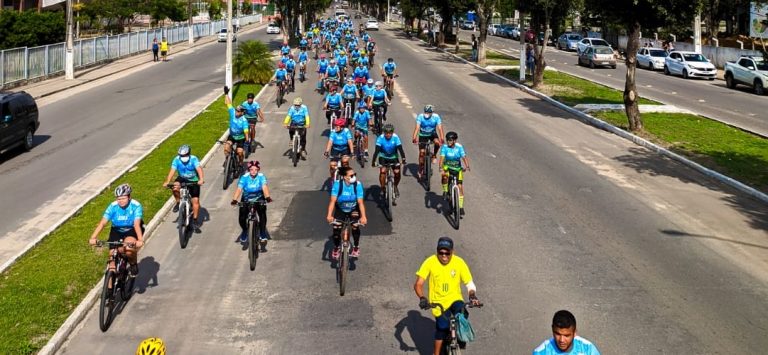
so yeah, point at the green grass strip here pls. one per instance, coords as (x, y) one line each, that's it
(42, 288)
(491, 57)
(731, 151)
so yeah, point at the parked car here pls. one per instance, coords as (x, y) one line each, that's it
(468, 25)
(689, 64)
(598, 56)
(749, 71)
(372, 24)
(591, 41)
(509, 31)
(492, 28)
(18, 120)
(223, 35)
(273, 28)
(651, 58)
(568, 41)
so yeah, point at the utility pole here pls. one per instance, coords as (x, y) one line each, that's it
(191, 23)
(301, 18)
(228, 66)
(697, 33)
(69, 56)
(523, 51)
(389, 10)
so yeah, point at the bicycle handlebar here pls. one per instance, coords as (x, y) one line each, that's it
(442, 309)
(100, 243)
(259, 202)
(337, 222)
(182, 184)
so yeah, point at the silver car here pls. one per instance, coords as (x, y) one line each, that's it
(651, 58)
(568, 41)
(598, 56)
(590, 41)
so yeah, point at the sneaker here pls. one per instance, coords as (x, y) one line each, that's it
(133, 270)
(366, 153)
(355, 252)
(196, 225)
(461, 211)
(335, 253)
(243, 237)
(303, 155)
(176, 208)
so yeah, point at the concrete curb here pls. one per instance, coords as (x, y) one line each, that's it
(77, 316)
(762, 197)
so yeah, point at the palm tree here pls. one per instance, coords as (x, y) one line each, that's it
(253, 62)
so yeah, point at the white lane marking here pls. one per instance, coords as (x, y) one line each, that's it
(752, 114)
(702, 100)
(649, 86)
(673, 92)
(561, 229)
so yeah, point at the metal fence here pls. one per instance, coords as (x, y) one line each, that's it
(25, 63)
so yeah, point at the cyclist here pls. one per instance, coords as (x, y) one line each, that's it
(350, 95)
(379, 98)
(452, 155)
(252, 187)
(354, 56)
(322, 67)
(303, 60)
(285, 49)
(303, 43)
(388, 147)
(253, 114)
(371, 47)
(281, 75)
(290, 68)
(389, 71)
(346, 202)
(564, 339)
(298, 117)
(366, 91)
(151, 346)
(125, 215)
(429, 128)
(332, 74)
(333, 104)
(341, 59)
(361, 74)
(364, 59)
(361, 121)
(340, 146)
(446, 272)
(316, 44)
(190, 171)
(238, 128)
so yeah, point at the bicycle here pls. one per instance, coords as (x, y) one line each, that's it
(360, 149)
(452, 347)
(231, 166)
(296, 143)
(389, 192)
(349, 102)
(389, 84)
(454, 194)
(280, 92)
(343, 263)
(378, 115)
(184, 221)
(292, 81)
(250, 147)
(114, 280)
(428, 164)
(302, 71)
(253, 231)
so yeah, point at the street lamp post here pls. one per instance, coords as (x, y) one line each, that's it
(228, 65)
(389, 9)
(69, 56)
(191, 33)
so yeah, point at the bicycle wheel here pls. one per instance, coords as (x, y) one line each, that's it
(427, 169)
(253, 244)
(359, 152)
(126, 285)
(227, 166)
(455, 205)
(183, 224)
(343, 266)
(295, 150)
(390, 196)
(107, 303)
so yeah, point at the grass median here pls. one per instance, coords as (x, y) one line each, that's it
(42, 288)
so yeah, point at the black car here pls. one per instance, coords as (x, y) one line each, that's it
(18, 120)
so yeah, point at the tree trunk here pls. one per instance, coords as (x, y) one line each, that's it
(541, 63)
(631, 99)
(483, 16)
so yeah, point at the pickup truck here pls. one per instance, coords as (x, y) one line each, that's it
(749, 71)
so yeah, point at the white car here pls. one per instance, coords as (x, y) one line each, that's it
(651, 58)
(223, 35)
(492, 28)
(590, 41)
(372, 24)
(273, 28)
(689, 64)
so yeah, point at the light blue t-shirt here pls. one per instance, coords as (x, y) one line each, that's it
(452, 156)
(379, 96)
(186, 171)
(580, 346)
(285, 49)
(253, 187)
(123, 218)
(350, 91)
(347, 200)
(251, 109)
(333, 100)
(280, 74)
(389, 68)
(362, 120)
(368, 90)
(290, 65)
(427, 126)
(303, 57)
(341, 60)
(298, 116)
(237, 126)
(322, 65)
(361, 72)
(388, 147)
(333, 71)
(340, 140)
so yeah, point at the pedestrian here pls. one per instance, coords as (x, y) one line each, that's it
(530, 60)
(155, 50)
(564, 339)
(164, 49)
(474, 48)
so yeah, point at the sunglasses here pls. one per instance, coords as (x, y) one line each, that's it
(444, 253)
(351, 176)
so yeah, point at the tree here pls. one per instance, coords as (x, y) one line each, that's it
(253, 62)
(214, 9)
(631, 15)
(31, 29)
(485, 10)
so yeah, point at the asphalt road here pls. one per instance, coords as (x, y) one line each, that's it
(650, 256)
(90, 133)
(739, 107)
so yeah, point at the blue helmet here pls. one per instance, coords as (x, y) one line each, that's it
(361, 104)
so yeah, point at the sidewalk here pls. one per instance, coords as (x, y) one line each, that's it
(57, 84)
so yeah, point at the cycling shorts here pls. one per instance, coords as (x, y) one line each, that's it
(240, 142)
(252, 119)
(443, 322)
(337, 152)
(116, 235)
(453, 171)
(424, 140)
(389, 161)
(363, 131)
(340, 215)
(194, 189)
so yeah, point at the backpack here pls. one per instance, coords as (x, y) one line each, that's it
(341, 189)
(464, 330)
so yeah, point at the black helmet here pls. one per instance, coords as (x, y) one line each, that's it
(390, 60)
(451, 136)
(389, 128)
(251, 95)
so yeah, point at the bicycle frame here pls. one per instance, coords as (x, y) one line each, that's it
(453, 345)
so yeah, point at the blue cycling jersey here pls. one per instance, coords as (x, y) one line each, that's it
(389, 68)
(355, 54)
(290, 65)
(122, 218)
(285, 49)
(252, 186)
(580, 346)
(322, 65)
(237, 126)
(298, 116)
(281, 74)
(251, 109)
(361, 72)
(303, 43)
(340, 140)
(188, 170)
(368, 90)
(333, 100)
(427, 125)
(333, 71)
(379, 95)
(388, 146)
(342, 60)
(303, 57)
(362, 119)
(364, 60)
(350, 193)
(452, 155)
(349, 91)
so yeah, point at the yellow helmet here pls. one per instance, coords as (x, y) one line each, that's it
(151, 346)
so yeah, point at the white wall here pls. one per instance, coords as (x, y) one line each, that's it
(717, 55)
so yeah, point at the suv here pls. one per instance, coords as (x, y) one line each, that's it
(18, 120)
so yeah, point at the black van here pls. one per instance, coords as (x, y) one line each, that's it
(18, 120)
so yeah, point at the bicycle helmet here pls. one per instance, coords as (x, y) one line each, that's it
(151, 346)
(362, 105)
(184, 150)
(123, 190)
(297, 101)
(339, 122)
(451, 136)
(379, 83)
(322, 56)
(350, 80)
(333, 61)
(428, 108)
(370, 81)
(390, 60)
(251, 95)
(254, 163)
(281, 65)
(389, 128)
(290, 56)
(239, 108)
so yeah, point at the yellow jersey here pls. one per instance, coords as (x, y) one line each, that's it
(444, 280)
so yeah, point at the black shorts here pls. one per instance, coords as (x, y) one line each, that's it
(194, 189)
(389, 161)
(240, 142)
(424, 140)
(336, 154)
(341, 215)
(252, 120)
(115, 235)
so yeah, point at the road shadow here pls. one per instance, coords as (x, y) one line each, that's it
(436, 202)
(148, 270)
(678, 234)
(545, 109)
(15, 152)
(421, 331)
